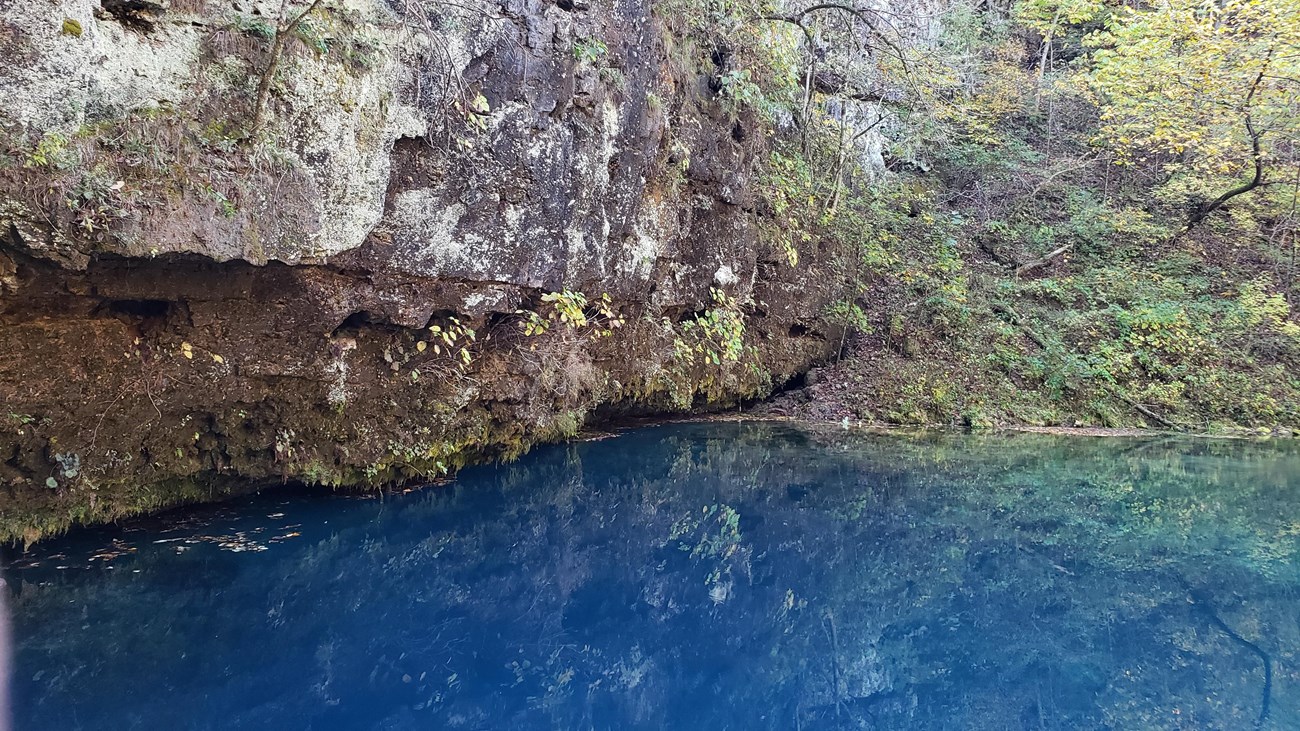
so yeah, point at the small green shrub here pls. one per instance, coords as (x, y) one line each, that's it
(53, 153)
(718, 335)
(574, 311)
(589, 50)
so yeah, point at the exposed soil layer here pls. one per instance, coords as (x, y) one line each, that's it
(138, 384)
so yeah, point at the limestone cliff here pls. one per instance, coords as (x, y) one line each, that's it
(460, 231)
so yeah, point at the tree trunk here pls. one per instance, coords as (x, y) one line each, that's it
(1203, 210)
(282, 32)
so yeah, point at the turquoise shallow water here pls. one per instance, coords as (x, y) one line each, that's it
(704, 576)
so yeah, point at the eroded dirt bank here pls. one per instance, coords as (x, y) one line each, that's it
(135, 385)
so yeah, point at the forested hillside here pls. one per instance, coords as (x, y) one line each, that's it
(1087, 217)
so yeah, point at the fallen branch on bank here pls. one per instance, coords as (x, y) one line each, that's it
(1037, 264)
(1014, 318)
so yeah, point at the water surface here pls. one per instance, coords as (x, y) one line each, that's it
(706, 576)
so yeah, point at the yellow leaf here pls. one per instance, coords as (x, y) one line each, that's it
(187, 350)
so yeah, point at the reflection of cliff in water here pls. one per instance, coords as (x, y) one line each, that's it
(705, 576)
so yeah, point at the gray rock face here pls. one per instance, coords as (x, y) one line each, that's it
(516, 160)
(191, 306)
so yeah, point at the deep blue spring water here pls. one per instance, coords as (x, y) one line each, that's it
(705, 576)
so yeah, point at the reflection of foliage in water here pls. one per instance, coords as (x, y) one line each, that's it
(712, 536)
(719, 576)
